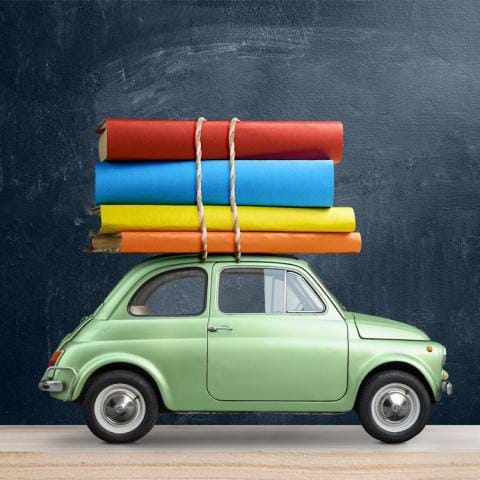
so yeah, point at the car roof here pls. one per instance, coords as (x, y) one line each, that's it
(213, 258)
(172, 260)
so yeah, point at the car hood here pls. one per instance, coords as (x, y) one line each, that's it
(369, 326)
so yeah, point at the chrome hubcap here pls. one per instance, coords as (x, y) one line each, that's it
(395, 407)
(119, 408)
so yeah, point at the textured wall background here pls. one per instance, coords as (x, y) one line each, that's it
(403, 76)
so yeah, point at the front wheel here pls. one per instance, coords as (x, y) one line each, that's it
(393, 406)
(120, 406)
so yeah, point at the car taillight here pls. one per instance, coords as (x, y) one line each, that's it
(54, 358)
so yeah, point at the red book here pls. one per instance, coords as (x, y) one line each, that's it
(128, 139)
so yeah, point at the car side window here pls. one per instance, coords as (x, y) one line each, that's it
(173, 293)
(251, 290)
(300, 296)
(266, 290)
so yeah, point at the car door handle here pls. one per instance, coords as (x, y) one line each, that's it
(216, 328)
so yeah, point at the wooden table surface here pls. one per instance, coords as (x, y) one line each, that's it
(239, 452)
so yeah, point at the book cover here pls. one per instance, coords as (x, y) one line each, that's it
(224, 242)
(118, 218)
(132, 139)
(303, 183)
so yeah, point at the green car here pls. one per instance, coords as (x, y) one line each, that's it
(261, 335)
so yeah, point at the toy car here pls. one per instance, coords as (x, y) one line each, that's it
(260, 335)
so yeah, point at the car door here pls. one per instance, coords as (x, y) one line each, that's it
(273, 336)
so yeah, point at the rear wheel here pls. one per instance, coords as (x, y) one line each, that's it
(393, 406)
(120, 406)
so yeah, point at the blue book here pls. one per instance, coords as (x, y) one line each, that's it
(282, 183)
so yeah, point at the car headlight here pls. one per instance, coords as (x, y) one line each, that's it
(444, 358)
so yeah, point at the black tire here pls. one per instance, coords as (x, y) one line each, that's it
(120, 406)
(380, 415)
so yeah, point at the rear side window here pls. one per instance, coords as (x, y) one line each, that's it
(173, 293)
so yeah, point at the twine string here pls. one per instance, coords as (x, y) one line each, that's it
(198, 164)
(199, 200)
(233, 201)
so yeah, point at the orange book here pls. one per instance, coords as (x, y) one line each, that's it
(129, 139)
(223, 242)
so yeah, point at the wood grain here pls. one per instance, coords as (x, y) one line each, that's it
(239, 465)
(239, 452)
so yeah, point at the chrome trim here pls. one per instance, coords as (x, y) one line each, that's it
(395, 407)
(216, 328)
(53, 385)
(119, 408)
(447, 387)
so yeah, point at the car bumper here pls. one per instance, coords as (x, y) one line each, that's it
(48, 384)
(447, 387)
(52, 386)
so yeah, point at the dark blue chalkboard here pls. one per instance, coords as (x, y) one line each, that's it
(403, 77)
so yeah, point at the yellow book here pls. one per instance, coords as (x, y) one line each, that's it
(118, 218)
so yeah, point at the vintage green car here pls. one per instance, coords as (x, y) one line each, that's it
(261, 335)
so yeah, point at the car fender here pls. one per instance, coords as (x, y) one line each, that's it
(111, 358)
(377, 361)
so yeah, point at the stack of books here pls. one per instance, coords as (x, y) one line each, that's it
(146, 188)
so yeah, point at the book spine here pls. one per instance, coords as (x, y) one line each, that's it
(118, 218)
(129, 139)
(304, 183)
(224, 242)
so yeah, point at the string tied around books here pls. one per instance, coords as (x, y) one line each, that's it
(199, 200)
(201, 210)
(233, 200)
